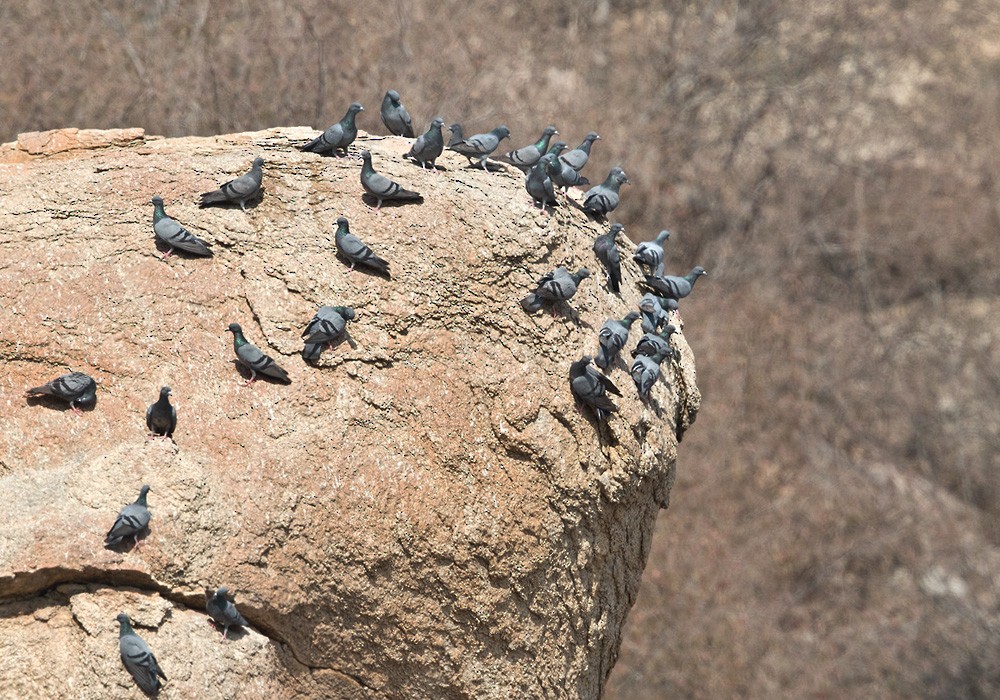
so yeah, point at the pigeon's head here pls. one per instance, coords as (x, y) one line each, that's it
(366, 156)
(669, 330)
(258, 161)
(455, 127)
(234, 328)
(699, 271)
(165, 392)
(615, 230)
(144, 490)
(591, 136)
(501, 132)
(437, 123)
(550, 131)
(221, 592)
(619, 175)
(393, 96)
(663, 235)
(342, 222)
(348, 313)
(123, 619)
(157, 201)
(558, 147)
(583, 274)
(631, 317)
(549, 162)
(355, 108)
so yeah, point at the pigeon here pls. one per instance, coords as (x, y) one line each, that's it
(645, 370)
(395, 117)
(590, 387)
(649, 254)
(250, 356)
(674, 287)
(480, 146)
(138, 658)
(657, 343)
(565, 177)
(525, 158)
(539, 181)
(77, 389)
(456, 134)
(602, 199)
(175, 235)
(606, 250)
(161, 417)
(221, 609)
(578, 157)
(132, 521)
(428, 147)
(354, 250)
(339, 136)
(382, 188)
(558, 285)
(242, 189)
(654, 311)
(612, 338)
(326, 326)
(556, 148)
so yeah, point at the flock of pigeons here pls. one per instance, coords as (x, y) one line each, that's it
(546, 166)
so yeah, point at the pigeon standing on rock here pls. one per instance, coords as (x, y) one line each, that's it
(132, 521)
(382, 188)
(558, 285)
(649, 254)
(525, 158)
(654, 311)
(645, 371)
(161, 417)
(539, 181)
(578, 157)
(602, 199)
(221, 609)
(565, 177)
(354, 250)
(77, 389)
(674, 287)
(339, 136)
(428, 147)
(657, 343)
(241, 190)
(456, 134)
(251, 357)
(606, 250)
(326, 326)
(138, 658)
(175, 235)
(480, 146)
(395, 117)
(590, 387)
(612, 338)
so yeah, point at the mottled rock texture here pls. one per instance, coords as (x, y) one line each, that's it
(421, 514)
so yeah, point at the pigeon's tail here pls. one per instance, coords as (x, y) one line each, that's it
(377, 263)
(43, 390)
(312, 351)
(531, 303)
(212, 198)
(409, 196)
(313, 145)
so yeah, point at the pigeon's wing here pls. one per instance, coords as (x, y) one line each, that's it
(141, 664)
(251, 356)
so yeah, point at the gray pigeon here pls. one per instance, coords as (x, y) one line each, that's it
(339, 136)
(578, 157)
(654, 311)
(645, 371)
(539, 181)
(657, 344)
(221, 609)
(556, 148)
(241, 190)
(77, 389)
(602, 199)
(354, 249)
(138, 658)
(590, 386)
(175, 235)
(132, 521)
(565, 177)
(428, 147)
(525, 158)
(395, 117)
(382, 188)
(456, 134)
(606, 250)
(674, 287)
(649, 254)
(612, 338)
(250, 356)
(480, 146)
(326, 326)
(558, 285)
(161, 417)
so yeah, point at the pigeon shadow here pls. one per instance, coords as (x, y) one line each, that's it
(55, 403)
(491, 166)
(177, 252)
(244, 372)
(251, 204)
(374, 272)
(235, 633)
(437, 167)
(604, 433)
(128, 543)
(372, 202)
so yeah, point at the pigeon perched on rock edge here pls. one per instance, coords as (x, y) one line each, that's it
(395, 117)
(138, 658)
(382, 188)
(674, 287)
(161, 417)
(132, 521)
(526, 157)
(240, 190)
(606, 250)
(77, 389)
(590, 387)
(175, 235)
(612, 338)
(558, 285)
(339, 136)
(355, 251)
(429, 146)
(220, 608)
(251, 357)
(649, 254)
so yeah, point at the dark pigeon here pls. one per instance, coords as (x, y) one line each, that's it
(606, 250)
(654, 311)
(649, 254)
(602, 199)
(428, 147)
(326, 326)
(132, 521)
(382, 188)
(612, 338)
(339, 136)
(354, 250)
(77, 389)
(241, 190)
(558, 285)
(674, 287)
(525, 158)
(539, 181)
(161, 417)
(578, 157)
(395, 117)
(456, 134)
(565, 177)
(645, 371)
(480, 146)
(657, 344)
(175, 235)
(250, 356)
(591, 387)
(221, 609)
(138, 658)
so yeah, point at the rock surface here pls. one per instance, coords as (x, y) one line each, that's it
(421, 514)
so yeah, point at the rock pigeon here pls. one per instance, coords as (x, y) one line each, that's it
(161, 417)
(456, 134)
(654, 311)
(480, 146)
(326, 326)
(539, 181)
(351, 248)
(138, 658)
(612, 338)
(606, 250)
(558, 285)
(382, 188)
(175, 235)
(602, 199)
(428, 146)
(578, 157)
(395, 117)
(645, 370)
(339, 136)
(241, 190)
(132, 521)
(590, 387)
(250, 356)
(565, 177)
(649, 254)
(221, 609)
(556, 148)
(525, 158)
(77, 389)
(657, 343)
(674, 287)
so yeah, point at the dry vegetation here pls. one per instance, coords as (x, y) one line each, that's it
(834, 528)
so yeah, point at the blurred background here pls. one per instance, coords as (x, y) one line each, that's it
(833, 530)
